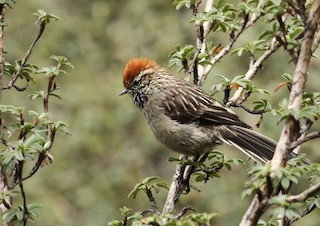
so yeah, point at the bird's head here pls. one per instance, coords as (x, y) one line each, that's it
(135, 71)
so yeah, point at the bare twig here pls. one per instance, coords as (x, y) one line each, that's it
(25, 59)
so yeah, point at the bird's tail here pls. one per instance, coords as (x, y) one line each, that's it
(253, 144)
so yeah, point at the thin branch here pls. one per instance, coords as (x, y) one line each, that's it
(245, 23)
(251, 59)
(305, 212)
(23, 194)
(42, 156)
(284, 41)
(25, 59)
(152, 201)
(303, 196)
(7, 205)
(255, 16)
(148, 211)
(316, 42)
(201, 44)
(183, 212)
(310, 136)
(49, 90)
(224, 51)
(251, 111)
(20, 89)
(253, 70)
(202, 32)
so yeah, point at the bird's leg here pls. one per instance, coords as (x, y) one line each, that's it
(189, 170)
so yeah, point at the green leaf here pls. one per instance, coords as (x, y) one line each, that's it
(180, 3)
(47, 145)
(246, 192)
(125, 211)
(287, 77)
(36, 94)
(62, 60)
(180, 55)
(42, 16)
(148, 180)
(285, 183)
(116, 223)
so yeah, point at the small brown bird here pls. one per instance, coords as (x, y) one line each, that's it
(185, 118)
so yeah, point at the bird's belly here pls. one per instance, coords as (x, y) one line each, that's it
(183, 138)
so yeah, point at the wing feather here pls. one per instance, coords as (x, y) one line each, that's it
(194, 105)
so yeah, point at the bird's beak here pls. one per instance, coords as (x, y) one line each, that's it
(124, 92)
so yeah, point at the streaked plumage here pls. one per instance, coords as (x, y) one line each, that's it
(185, 118)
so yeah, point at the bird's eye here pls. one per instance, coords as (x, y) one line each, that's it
(135, 82)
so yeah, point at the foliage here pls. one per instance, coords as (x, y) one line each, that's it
(27, 136)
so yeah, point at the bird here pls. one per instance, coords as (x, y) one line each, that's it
(185, 118)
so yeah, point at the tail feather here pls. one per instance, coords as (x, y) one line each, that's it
(254, 144)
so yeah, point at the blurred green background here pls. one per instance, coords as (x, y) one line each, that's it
(111, 147)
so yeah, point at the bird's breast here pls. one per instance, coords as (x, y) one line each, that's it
(189, 139)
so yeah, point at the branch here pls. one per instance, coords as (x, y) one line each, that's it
(254, 212)
(303, 196)
(253, 70)
(152, 201)
(23, 194)
(25, 59)
(306, 211)
(251, 111)
(284, 42)
(306, 138)
(184, 211)
(316, 42)
(224, 51)
(202, 32)
(42, 156)
(176, 188)
(245, 23)
(256, 208)
(289, 130)
(7, 201)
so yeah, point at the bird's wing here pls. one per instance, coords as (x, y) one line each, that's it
(191, 104)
